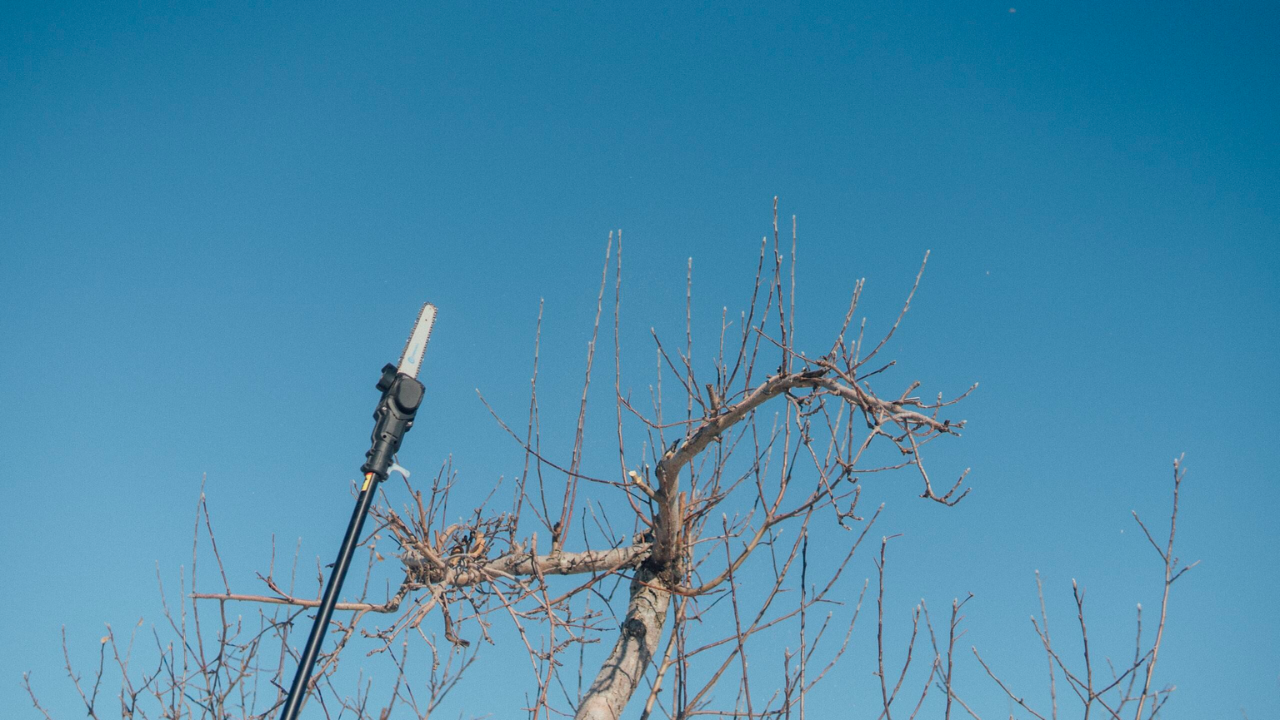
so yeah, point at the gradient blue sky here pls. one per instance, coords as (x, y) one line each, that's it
(217, 221)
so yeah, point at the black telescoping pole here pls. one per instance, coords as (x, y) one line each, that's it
(401, 397)
(307, 662)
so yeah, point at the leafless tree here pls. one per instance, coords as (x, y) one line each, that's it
(705, 519)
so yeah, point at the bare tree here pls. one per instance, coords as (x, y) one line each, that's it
(705, 520)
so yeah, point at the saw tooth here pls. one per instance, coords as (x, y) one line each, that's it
(416, 347)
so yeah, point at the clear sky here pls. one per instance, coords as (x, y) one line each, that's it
(217, 222)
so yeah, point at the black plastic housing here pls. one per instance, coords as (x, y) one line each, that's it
(401, 397)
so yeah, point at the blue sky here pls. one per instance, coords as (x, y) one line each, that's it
(217, 221)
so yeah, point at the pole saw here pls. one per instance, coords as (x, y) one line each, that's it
(401, 396)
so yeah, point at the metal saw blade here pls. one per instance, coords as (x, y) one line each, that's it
(411, 359)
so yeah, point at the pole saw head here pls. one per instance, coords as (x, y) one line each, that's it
(401, 397)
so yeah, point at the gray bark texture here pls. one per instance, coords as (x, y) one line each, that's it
(638, 638)
(446, 571)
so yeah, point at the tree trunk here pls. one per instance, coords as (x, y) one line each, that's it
(637, 642)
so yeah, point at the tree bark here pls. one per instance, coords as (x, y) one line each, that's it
(440, 570)
(637, 643)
